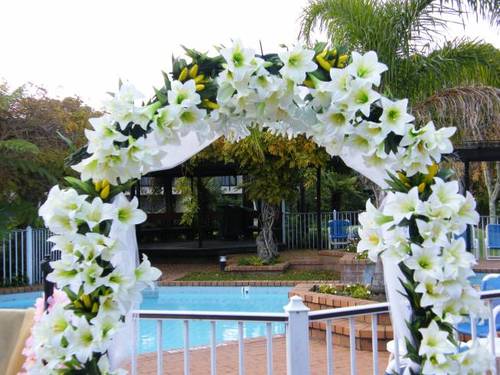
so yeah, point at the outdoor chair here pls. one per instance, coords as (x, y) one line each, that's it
(492, 238)
(338, 232)
(489, 282)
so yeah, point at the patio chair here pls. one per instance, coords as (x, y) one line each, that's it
(492, 238)
(338, 232)
(489, 282)
(15, 328)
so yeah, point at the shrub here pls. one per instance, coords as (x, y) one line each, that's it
(350, 290)
(256, 261)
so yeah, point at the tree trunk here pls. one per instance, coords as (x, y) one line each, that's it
(266, 246)
(491, 173)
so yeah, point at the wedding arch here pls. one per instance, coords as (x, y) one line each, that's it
(320, 93)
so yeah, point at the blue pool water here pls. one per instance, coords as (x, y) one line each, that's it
(258, 299)
(477, 278)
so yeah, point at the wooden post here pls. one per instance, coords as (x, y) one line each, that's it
(468, 233)
(200, 214)
(318, 207)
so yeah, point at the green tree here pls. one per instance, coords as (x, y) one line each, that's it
(35, 134)
(274, 167)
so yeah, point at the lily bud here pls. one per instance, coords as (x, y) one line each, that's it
(421, 187)
(200, 87)
(105, 192)
(98, 185)
(342, 60)
(183, 75)
(193, 72)
(323, 63)
(199, 78)
(209, 104)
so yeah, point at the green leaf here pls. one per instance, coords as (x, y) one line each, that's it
(80, 186)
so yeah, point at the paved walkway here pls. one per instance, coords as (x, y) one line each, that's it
(255, 360)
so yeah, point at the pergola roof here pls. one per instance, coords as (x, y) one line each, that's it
(479, 151)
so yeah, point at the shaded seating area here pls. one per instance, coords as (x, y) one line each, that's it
(213, 230)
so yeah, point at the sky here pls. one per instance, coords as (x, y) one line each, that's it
(82, 47)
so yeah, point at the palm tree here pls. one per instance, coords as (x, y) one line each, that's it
(403, 33)
(434, 77)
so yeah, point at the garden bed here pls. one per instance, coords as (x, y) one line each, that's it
(340, 327)
(265, 268)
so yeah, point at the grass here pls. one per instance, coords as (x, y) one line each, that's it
(291, 275)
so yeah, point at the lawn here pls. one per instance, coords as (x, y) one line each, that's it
(291, 275)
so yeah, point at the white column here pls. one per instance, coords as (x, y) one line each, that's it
(297, 337)
(29, 254)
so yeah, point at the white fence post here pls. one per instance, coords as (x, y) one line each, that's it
(29, 254)
(297, 337)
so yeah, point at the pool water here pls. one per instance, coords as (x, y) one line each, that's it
(477, 278)
(258, 299)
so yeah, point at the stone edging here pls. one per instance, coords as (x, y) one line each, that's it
(21, 289)
(279, 267)
(232, 283)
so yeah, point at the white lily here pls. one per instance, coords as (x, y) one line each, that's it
(402, 205)
(426, 263)
(65, 273)
(83, 340)
(361, 97)
(445, 194)
(91, 275)
(394, 116)
(96, 212)
(183, 94)
(434, 341)
(104, 135)
(366, 67)
(239, 60)
(297, 63)
(434, 232)
(340, 84)
(433, 293)
(371, 239)
(145, 273)
(126, 212)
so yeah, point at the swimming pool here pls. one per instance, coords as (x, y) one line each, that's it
(258, 299)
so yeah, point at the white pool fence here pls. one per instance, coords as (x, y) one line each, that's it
(22, 252)
(297, 318)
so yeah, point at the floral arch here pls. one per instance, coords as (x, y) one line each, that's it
(318, 92)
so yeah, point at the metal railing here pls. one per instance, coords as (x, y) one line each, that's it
(297, 318)
(301, 228)
(22, 252)
(482, 247)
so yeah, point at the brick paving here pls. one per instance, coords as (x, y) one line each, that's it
(255, 360)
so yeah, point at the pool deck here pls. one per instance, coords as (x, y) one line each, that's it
(488, 266)
(255, 359)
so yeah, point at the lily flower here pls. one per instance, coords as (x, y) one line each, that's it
(126, 212)
(402, 205)
(426, 263)
(395, 117)
(366, 67)
(297, 63)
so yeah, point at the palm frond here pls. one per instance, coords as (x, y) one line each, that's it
(457, 63)
(489, 9)
(474, 110)
(18, 146)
